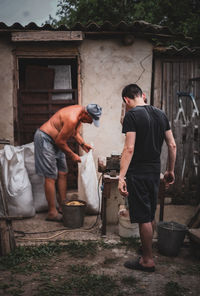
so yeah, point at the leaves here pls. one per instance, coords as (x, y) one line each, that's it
(180, 15)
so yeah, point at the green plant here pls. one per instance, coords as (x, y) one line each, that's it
(108, 261)
(79, 269)
(191, 269)
(129, 280)
(130, 242)
(86, 284)
(81, 249)
(174, 289)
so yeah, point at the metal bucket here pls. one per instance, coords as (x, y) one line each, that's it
(73, 214)
(170, 237)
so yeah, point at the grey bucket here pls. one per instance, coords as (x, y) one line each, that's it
(170, 237)
(73, 215)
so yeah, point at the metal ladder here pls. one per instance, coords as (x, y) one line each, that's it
(195, 110)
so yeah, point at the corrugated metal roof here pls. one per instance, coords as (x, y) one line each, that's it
(135, 27)
(173, 51)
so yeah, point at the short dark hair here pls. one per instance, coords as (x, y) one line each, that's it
(131, 91)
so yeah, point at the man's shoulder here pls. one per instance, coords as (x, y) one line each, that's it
(156, 109)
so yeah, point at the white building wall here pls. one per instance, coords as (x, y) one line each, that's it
(6, 90)
(106, 67)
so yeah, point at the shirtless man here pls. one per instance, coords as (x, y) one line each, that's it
(50, 142)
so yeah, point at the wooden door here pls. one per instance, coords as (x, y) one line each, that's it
(43, 90)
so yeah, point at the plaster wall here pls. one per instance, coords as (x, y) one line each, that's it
(106, 67)
(6, 93)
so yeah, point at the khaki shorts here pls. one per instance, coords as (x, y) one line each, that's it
(49, 159)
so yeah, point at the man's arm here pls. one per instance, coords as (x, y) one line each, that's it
(169, 174)
(127, 155)
(80, 141)
(61, 141)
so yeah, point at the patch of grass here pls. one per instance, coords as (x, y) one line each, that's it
(130, 242)
(79, 269)
(29, 259)
(108, 245)
(82, 249)
(44, 276)
(140, 291)
(16, 292)
(108, 261)
(174, 289)
(14, 288)
(4, 286)
(129, 280)
(191, 270)
(24, 254)
(83, 285)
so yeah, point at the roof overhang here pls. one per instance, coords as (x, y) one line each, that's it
(39, 36)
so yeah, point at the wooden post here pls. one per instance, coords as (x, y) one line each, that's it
(7, 239)
(178, 132)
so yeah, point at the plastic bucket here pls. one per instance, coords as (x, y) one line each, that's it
(170, 237)
(73, 213)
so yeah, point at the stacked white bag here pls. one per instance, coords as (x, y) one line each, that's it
(37, 182)
(17, 186)
(23, 188)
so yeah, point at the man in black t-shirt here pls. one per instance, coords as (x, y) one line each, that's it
(146, 127)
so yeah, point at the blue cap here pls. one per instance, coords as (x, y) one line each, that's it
(95, 112)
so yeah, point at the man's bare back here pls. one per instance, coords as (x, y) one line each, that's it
(66, 123)
(67, 117)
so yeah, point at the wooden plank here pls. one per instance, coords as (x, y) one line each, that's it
(178, 129)
(157, 84)
(175, 86)
(54, 91)
(4, 239)
(36, 36)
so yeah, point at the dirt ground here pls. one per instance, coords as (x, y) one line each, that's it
(81, 262)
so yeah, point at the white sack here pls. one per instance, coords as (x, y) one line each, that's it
(88, 183)
(37, 182)
(16, 182)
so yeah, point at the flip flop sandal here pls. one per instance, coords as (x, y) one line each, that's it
(135, 264)
(57, 218)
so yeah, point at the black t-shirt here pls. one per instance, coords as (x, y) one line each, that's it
(150, 124)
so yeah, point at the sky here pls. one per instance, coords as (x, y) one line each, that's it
(26, 11)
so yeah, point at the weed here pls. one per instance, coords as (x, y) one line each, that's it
(79, 269)
(25, 254)
(84, 285)
(108, 245)
(108, 261)
(130, 242)
(81, 249)
(25, 259)
(191, 269)
(140, 290)
(129, 280)
(16, 292)
(174, 289)
(4, 286)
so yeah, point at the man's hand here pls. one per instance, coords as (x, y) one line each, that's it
(86, 147)
(169, 178)
(122, 187)
(75, 158)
